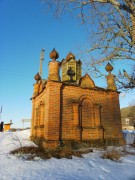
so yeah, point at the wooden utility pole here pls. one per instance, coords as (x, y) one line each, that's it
(41, 61)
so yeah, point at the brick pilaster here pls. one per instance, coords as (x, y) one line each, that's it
(52, 121)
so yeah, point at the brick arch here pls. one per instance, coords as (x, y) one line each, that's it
(39, 118)
(39, 113)
(88, 118)
(86, 97)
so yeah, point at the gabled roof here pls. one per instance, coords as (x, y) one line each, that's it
(86, 82)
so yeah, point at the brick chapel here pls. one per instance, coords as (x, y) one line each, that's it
(72, 107)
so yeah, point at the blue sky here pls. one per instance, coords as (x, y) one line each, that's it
(26, 28)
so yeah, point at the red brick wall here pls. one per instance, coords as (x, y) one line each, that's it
(60, 108)
(110, 113)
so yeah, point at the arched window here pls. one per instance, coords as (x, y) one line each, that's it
(86, 110)
(42, 112)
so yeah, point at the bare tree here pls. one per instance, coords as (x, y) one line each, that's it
(112, 24)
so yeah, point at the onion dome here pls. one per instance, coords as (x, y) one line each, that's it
(54, 54)
(109, 67)
(70, 56)
(37, 77)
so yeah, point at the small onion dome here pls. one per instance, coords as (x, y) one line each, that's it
(70, 56)
(109, 67)
(54, 54)
(37, 77)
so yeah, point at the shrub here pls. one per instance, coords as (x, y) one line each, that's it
(112, 155)
(32, 152)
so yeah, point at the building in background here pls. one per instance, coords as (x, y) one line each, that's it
(128, 118)
(7, 126)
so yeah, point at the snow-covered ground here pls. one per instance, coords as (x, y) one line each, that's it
(90, 167)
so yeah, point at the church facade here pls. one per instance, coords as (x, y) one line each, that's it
(72, 107)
